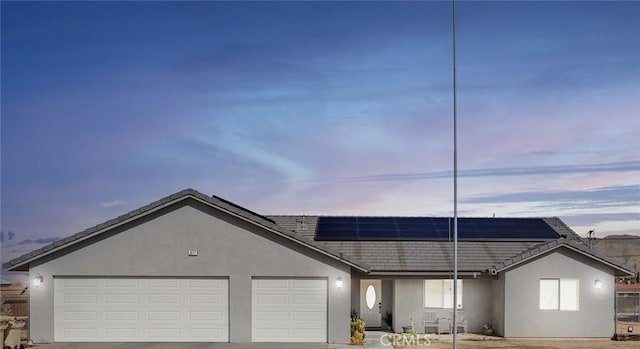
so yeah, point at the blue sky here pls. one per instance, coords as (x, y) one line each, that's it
(318, 108)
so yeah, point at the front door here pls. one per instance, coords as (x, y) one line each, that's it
(371, 303)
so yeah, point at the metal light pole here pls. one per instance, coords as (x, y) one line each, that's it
(455, 187)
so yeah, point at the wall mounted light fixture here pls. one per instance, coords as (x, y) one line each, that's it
(37, 280)
(339, 282)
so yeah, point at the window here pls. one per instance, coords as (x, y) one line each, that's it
(439, 294)
(559, 294)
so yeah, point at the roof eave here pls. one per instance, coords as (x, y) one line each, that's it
(624, 271)
(22, 263)
(49, 249)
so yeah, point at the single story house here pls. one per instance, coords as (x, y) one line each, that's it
(192, 267)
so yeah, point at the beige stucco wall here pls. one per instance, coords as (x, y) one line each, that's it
(227, 247)
(595, 317)
(409, 304)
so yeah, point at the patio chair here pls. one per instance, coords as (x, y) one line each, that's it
(444, 325)
(430, 322)
(433, 324)
(461, 322)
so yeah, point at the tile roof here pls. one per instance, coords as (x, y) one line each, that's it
(366, 256)
(437, 256)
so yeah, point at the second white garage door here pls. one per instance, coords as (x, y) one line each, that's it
(289, 310)
(141, 310)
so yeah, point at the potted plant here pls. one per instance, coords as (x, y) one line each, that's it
(357, 329)
(487, 329)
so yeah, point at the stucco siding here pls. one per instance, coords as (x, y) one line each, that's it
(476, 304)
(497, 305)
(158, 245)
(409, 303)
(523, 318)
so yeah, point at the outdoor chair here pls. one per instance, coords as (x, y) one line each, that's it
(430, 322)
(433, 324)
(461, 322)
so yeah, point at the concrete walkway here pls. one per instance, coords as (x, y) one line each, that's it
(372, 340)
(185, 346)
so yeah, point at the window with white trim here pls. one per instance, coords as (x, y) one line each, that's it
(439, 294)
(559, 294)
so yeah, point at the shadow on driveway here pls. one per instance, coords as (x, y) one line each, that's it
(183, 346)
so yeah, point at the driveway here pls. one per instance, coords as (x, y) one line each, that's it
(186, 346)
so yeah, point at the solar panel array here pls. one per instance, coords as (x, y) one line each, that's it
(431, 228)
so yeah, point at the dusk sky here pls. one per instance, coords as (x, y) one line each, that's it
(340, 108)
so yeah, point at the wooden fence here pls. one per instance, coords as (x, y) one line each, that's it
(16, 305)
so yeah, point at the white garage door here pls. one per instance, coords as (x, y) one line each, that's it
(292, 310)
(141, 310)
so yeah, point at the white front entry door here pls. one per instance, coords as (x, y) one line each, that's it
(141, 310)
(289, 310)
(371, 302)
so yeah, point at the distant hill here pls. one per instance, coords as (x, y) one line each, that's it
(624, 249)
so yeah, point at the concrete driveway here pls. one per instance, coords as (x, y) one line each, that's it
(190, 346)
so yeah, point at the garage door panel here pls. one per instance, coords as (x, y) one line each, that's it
(206, 283)
(289, 310)
(82, 333)
(80, 315)
(274, 315)
(195, 316)
(80, 283)
(272, 299)
(163, 283)
(309, 316)
(124, 300)
(206, 299)
(273, 334)
(204, 334)
(120, 283)
(305, 334)
(80, 298)
(164, 333)
(307, 299)
(121, 316)
(144, 309)
(173, 299)
(163, 315)
(122, 333)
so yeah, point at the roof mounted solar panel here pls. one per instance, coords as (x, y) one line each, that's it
(332, 228)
